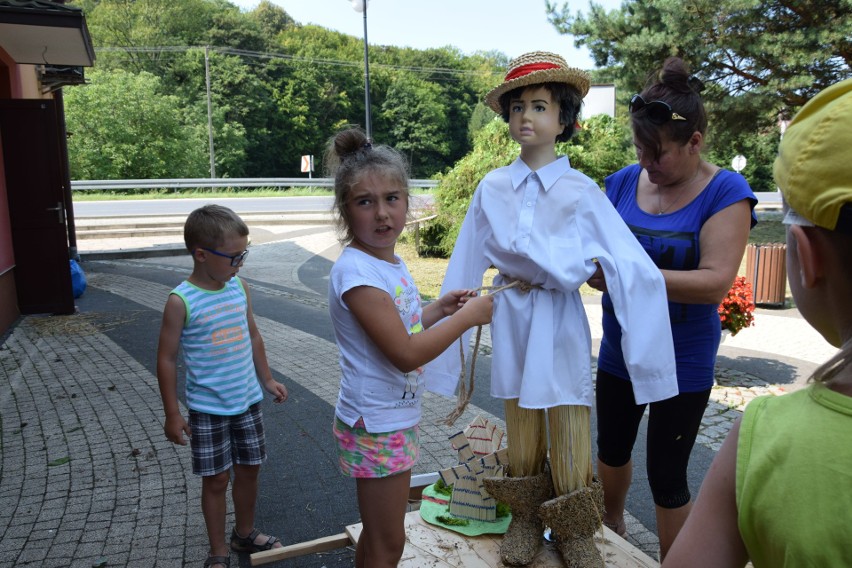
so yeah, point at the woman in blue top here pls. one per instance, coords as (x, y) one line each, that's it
(693, 220)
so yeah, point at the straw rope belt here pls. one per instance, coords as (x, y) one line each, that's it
(466, 391)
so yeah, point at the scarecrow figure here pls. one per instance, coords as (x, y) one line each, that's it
(546, 228)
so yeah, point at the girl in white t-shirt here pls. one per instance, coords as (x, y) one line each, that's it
(385, 335)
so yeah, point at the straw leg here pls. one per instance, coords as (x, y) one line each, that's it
(526, 436)
(570, 447)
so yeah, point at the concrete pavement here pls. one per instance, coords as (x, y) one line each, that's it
(88, 479)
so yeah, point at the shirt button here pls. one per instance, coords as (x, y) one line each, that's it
(529, 203)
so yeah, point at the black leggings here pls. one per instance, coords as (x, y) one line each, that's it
(672, 428)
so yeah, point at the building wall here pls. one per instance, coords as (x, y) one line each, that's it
(16, 82)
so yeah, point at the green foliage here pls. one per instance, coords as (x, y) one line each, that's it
(280, 89)
(124, 127)
(600, 147)
(482, 115)
(503, 510)
(760, 60)
(452, 521)
(492, 148)
(413, 114)
(443, 488)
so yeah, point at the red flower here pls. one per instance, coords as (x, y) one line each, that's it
(736, 310)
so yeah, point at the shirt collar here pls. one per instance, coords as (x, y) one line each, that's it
(548, 174)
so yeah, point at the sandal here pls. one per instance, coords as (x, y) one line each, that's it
(247, 544)
(213, 560)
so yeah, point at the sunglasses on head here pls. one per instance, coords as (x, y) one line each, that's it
(658, 112)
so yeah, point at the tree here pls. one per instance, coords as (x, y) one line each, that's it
(413, 116)
(779, 51)
(123, 126)
(760, 60)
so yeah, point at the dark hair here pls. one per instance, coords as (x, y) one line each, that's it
(210, 225)
(674, 85)
(566, 96)
(349, 156)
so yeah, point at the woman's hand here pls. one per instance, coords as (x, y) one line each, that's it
(597, 280)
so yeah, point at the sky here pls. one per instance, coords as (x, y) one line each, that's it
(510, 26)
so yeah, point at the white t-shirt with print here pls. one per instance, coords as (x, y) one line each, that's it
(370, 386)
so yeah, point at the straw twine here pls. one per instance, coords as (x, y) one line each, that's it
(466, 391)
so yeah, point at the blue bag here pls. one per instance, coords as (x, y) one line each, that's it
(78, 279)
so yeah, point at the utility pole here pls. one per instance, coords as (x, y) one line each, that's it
(209, 111)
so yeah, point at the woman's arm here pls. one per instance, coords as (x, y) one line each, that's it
(722, 241)
(710, 537)
(376, 313)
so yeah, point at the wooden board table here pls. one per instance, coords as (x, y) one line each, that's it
(428, 546)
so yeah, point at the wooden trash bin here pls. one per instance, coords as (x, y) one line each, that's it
(766, 270)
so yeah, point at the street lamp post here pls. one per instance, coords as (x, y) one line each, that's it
(361, 6)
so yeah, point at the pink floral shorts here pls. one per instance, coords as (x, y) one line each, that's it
(361, 454)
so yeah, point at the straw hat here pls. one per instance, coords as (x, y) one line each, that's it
(534, 68)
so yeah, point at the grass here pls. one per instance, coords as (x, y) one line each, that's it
(769, 229)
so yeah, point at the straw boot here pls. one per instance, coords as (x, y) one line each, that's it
(574, 519)
(523, 495)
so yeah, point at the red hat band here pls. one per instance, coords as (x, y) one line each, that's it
(529, 68)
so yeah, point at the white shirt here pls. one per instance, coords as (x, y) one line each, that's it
(545, 228)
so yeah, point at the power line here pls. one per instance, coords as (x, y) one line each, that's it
(295, 58)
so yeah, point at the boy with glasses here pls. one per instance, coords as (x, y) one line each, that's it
(209, 316)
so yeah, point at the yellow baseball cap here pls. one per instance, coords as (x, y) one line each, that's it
(814, 164)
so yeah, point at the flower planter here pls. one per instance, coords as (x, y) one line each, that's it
(766, 270)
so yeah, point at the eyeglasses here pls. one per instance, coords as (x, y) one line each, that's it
(236, 259)
(658, 112)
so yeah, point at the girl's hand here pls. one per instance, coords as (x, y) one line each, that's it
(479, 308)
(452, 301)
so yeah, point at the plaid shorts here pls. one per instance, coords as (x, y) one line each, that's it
(361, 454)
(218, 442)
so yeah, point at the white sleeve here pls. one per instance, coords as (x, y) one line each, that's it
(638, 292)
(465, 270)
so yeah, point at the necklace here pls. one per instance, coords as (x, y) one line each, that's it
(660, 209)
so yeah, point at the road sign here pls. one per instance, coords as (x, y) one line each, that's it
(307, 164)
(739, 163)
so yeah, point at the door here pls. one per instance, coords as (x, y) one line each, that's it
(33, 168)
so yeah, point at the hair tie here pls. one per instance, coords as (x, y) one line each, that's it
(695, 84)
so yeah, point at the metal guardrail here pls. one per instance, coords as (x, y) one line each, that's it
(187, 183)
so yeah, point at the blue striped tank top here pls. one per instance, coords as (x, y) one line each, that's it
(220, 374)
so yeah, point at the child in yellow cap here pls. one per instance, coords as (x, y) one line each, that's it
(779, 491)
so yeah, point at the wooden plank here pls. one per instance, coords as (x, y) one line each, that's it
(300, 549)
(435, 547)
